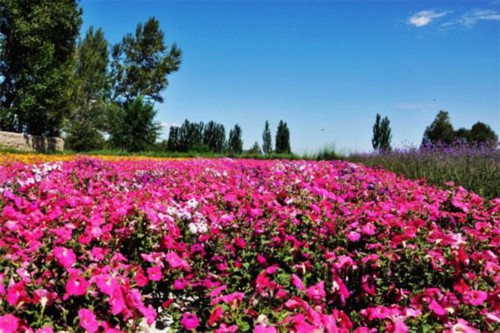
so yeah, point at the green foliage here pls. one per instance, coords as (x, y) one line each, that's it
(235, 142)
(267, 145)
(440, 131)
(84, 137)
(90, 94)
(141, 63)
(173, 139)
(36, 63)
(283, 139)
(482, 133)
(328, 153)
(214, 137)
(381, 140)
(255, 150)
(134, 128)
(462, 135)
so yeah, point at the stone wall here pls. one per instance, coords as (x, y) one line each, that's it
(30, 142)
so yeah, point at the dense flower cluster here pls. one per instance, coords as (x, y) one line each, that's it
(232, 246)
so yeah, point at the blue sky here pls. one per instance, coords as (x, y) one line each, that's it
(325, 67)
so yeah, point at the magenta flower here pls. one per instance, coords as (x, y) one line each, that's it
(16, 294)
(175, 261)
(475, 297)
(353, 236)
(106, 284)
(8, 323)
(297, 282)
(65, 257)
(76, 286)
(317, 292)
(215, 316)
(88, 320)
(117, 301)
(154, 273)
(189, 321)
(264, 329)
(47, 329)
(436, 308)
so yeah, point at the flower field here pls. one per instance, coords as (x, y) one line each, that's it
(227, 245)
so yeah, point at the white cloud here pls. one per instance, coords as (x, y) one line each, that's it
(425, 17)
(168, 125)
(472, 17)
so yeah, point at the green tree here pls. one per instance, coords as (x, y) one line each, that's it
(283, 139)
(482, 133)
(37, 53)
(235, 142)
(173, 139)
(214, 137)
(134, 127)
(440, 131)
(141, 63)
(381, 140)
(255, 149)
(90, 94)
(267, 145)
(462, 135)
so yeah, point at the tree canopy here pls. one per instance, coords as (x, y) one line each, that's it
(37, 53)
(283, 139)
(267, 145)
(141, 63)
(381, 140)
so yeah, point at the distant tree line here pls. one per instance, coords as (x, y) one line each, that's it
(441, 131)
(211, 137)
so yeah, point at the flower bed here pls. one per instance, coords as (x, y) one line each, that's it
(241, 245)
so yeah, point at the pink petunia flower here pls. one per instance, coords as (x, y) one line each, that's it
(189, 321)
(475, 297)
(297, 282)
(353, 236)
(16, 294)
(175, 261)
(8, 323)
(436, 308)
(76, 286)
(154, 273)
(117, 301)
(264, 329)
(65, 257)
(88, 320)
(461, 326)
(317, 292)
(106, 283)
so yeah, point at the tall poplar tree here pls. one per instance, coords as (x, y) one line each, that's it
(267, 145)
(283, 139)
(90, 94)
(235, 142)
(382, 137)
